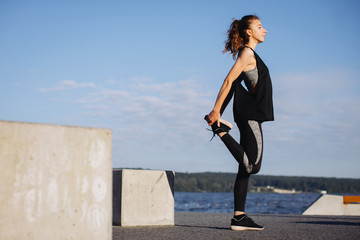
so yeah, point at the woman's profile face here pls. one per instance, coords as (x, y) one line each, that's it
(257, 32)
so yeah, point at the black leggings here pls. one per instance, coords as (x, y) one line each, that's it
(248, 154)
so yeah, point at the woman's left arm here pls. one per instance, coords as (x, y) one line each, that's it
(242, 61)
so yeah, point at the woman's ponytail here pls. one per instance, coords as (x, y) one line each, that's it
(237, 37)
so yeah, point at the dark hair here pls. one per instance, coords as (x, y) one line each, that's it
(237, 36)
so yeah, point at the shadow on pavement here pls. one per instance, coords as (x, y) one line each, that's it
(332, 223)
(206, 227)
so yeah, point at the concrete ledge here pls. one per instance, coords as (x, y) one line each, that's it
(55, 182)
(332, 205)
(143, 197)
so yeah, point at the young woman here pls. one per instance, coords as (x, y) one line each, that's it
(252, 106)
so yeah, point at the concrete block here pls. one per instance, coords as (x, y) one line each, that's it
(332, 205)
(55, 182)
(143, 197)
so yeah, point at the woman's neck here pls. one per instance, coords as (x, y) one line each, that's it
(252, 44)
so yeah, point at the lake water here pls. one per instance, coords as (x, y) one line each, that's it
(267, 203)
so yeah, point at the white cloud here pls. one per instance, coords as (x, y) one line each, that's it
(111, 81)
(66, 85)
(151, 116)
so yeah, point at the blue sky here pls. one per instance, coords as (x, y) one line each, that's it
(150, 71)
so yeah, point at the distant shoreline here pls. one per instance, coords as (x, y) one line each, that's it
(224, 182)
(205, 172)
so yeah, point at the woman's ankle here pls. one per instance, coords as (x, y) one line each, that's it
(238, 213)
(222, 134)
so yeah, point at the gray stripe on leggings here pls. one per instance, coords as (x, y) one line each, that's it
(254, 125)
(248, 166)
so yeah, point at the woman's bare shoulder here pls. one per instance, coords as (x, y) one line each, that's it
(246, 53)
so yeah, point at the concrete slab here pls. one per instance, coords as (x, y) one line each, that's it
(143, 197)
(55, 182)
(332, 205)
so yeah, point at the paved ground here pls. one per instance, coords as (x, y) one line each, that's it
(216, 226)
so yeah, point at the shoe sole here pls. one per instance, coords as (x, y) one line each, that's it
(241, 228)
(226, 123)
(206, 118)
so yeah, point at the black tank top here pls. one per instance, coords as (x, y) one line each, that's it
(257, 104)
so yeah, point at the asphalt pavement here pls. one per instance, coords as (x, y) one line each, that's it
(189, 225)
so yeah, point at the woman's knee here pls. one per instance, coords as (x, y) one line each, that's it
(256, 169)
(242, 174)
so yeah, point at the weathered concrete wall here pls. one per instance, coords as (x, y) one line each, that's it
(332, 205)
(56, 182)
(143, 197)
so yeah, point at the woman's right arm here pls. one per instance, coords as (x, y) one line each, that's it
(242, 61)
